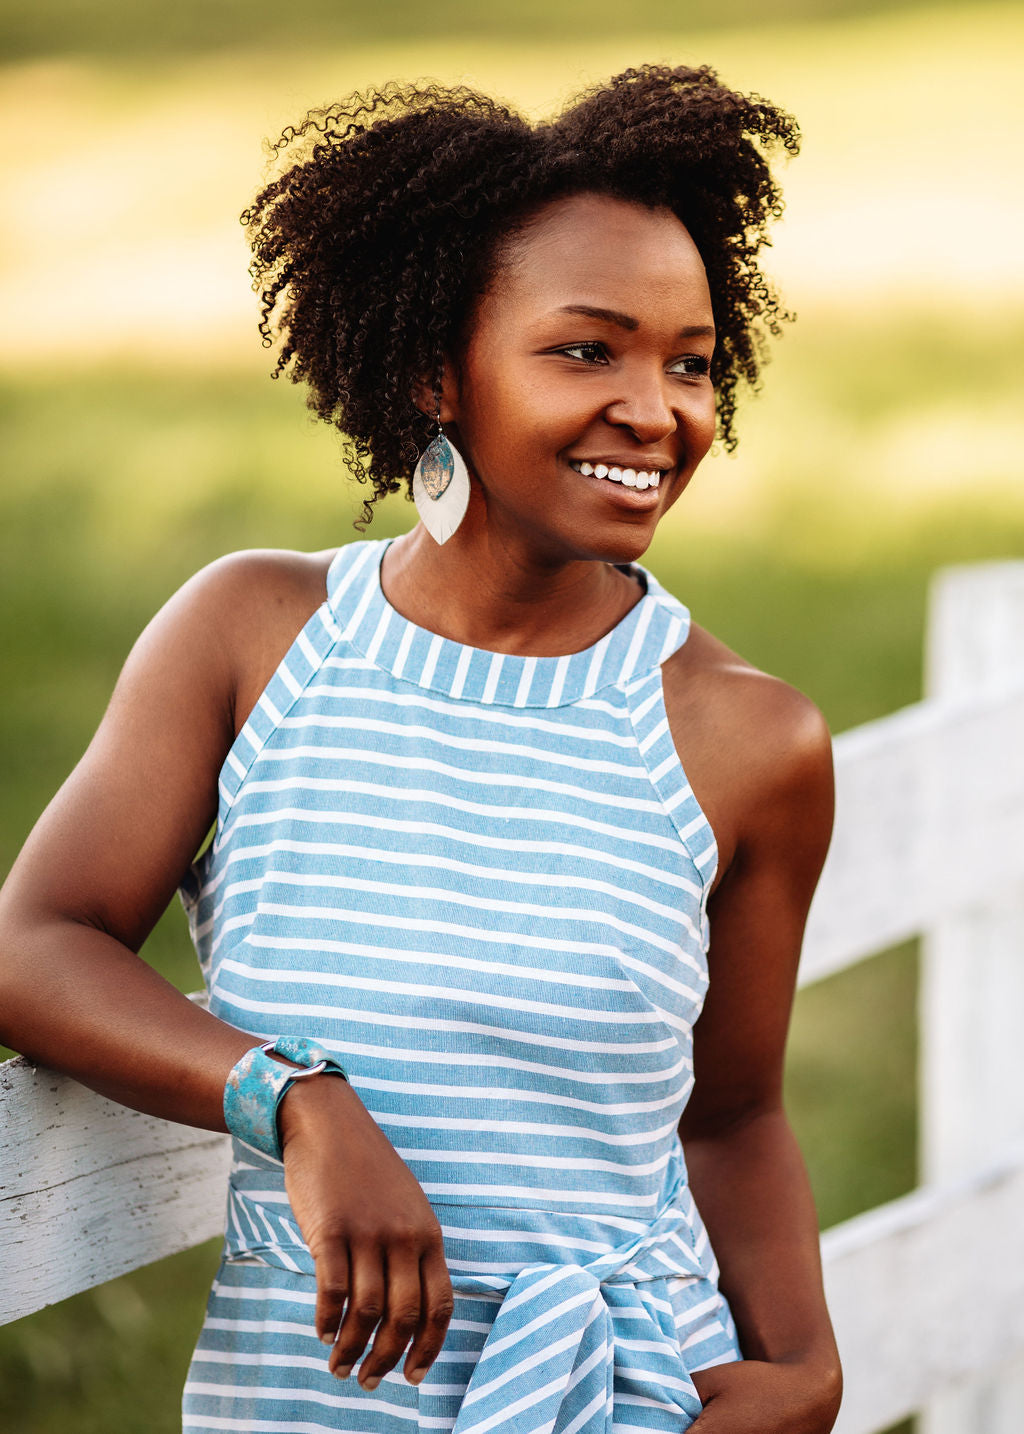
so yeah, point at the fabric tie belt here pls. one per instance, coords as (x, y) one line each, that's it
(551, 1363)
(573, 1345)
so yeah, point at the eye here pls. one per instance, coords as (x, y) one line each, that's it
(590, 353)
(691, 365)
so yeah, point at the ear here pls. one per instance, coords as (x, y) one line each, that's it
(424, 398)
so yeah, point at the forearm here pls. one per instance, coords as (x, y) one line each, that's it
(75, 999)
(751, 1186)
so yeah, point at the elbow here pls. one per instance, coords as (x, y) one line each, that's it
(831, 1393)
(33, 991)
(16, 977)
(702, 1122)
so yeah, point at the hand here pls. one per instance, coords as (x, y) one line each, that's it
(376, 1241)
(754, 1397)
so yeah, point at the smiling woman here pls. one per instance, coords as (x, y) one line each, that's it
(481, 805)
(603, 383)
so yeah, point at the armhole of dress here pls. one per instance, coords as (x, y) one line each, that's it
(657, 749)
(299, 664)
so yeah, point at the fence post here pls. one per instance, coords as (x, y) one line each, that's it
(971, 1080)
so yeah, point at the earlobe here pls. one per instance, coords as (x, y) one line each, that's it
(437, 398)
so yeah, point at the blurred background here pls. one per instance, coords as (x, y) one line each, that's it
(143, 437)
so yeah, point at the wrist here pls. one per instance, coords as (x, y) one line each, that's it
(305, 1103)
(258, 1083)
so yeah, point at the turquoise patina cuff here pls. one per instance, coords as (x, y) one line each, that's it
(257, 1083)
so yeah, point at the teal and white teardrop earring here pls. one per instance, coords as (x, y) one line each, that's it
(440, 487)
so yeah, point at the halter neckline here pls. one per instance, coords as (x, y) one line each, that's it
(649, 633)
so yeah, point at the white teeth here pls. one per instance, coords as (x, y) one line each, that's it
(629, 477)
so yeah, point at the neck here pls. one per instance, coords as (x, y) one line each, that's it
(483, 594)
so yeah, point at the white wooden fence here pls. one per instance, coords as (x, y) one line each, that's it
(927, 1293)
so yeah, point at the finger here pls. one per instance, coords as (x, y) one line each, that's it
(364, 1309)
(437, 1303)
(332, 1281)
(401, 1316)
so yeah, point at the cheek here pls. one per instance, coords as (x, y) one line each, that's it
(524, 412)
(495, 397)
(702, 427)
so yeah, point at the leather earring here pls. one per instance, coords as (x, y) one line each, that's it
(440, 486)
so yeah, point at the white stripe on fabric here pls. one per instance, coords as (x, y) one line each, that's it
(429, 666)
(493, 673)
(353, 1016)
(379, 635)
(492, 810)
(425, 765)
(408, 733)
(403, 651)
(525, 680)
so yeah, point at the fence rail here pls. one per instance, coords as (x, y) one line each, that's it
(927, 1293)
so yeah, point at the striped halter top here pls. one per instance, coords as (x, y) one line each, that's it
(481, 880)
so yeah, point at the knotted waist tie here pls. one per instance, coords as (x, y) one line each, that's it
(551, 1364)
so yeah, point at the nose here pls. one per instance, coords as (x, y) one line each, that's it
(643, 406)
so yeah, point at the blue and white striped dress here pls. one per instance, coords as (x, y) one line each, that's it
(481, 880)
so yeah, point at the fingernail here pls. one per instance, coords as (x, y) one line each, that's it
(370, 1382)
(343, 1371)
(415, 1375)
(327, 1339)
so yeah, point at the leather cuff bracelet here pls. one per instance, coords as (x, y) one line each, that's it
(257, 1083)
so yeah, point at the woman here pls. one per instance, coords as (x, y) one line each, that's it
(456, 851)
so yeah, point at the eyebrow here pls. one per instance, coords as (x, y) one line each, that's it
(626, 321)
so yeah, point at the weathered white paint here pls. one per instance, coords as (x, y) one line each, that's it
(972, 961)
(974, 644)
(926, 1292)
(90, 1190)
(929, 821)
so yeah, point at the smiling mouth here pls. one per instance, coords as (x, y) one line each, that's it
(628, 477)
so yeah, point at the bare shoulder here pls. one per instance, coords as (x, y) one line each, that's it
(250, 589)
(757, 751)
(235, 620)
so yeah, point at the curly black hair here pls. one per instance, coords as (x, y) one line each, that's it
(372, 250)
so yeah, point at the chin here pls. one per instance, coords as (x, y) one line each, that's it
(623, 547)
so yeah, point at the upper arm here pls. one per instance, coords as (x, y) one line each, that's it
(775, 790)
(114, 843)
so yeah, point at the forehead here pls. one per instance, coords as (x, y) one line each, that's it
(606, 252)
